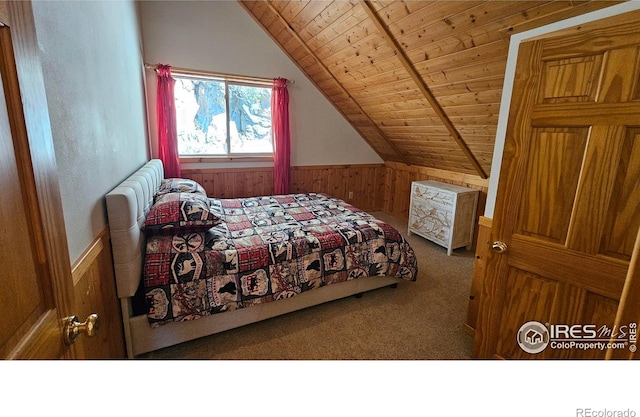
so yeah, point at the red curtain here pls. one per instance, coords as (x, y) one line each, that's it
(166, 114)
(281, 138)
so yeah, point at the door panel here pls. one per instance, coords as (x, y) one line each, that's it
(595, 187)
(569, 193)
(553, 170)
(21, 297)
(594, 273)
(532, 297)
(624, 212)
(35, 282)
(570, 80)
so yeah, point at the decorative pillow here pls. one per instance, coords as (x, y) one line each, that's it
(174, 211)
(179, 185)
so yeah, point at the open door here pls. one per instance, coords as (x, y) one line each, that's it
(568, 202)
(35, 282)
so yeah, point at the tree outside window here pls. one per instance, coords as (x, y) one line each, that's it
(222, 117)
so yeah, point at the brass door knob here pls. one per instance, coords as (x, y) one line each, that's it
(499, 247)
(73, 327)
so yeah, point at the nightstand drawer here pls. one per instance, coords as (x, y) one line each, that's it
(430, 222)
(433, 196)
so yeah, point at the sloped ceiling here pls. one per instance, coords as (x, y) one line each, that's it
(421, 81)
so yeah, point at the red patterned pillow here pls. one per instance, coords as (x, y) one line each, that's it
(179, 185)
(174, 211)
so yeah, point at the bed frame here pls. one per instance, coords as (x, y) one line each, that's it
(127, 207)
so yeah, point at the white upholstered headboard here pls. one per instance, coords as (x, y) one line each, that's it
(127, 207)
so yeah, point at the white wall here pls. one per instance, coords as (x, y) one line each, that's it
(510, 76)
(220, 36)
(93, 73)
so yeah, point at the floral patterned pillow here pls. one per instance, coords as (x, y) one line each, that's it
(179, 185)
(174, 212)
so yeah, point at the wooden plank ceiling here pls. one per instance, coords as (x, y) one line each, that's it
(421, 81)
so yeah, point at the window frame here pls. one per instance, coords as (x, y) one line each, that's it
(227, 79)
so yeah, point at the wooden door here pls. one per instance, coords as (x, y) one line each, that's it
(568, 203)
(35, 280)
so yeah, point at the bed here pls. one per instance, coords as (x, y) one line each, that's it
(185, 268)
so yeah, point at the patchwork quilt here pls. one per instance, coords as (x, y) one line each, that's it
(265, 249)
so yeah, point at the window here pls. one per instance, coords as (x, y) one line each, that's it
(223, 116)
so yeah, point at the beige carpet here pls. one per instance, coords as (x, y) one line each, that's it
(417, 320)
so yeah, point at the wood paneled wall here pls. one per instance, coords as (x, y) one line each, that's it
(370, 187)
(94, 287)
(365, 182)
(361, 185)
(233, 182)
(398, 179)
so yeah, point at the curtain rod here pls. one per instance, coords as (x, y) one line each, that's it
(187, 71)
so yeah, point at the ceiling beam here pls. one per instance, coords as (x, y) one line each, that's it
(408, 65)
(379, 131)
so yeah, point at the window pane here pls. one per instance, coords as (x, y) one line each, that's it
(250, 119)
(201, 117)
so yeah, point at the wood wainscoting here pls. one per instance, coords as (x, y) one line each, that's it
(371, 187)
(360, 185)
(399, 176)
(95, 292)
(233, 182)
